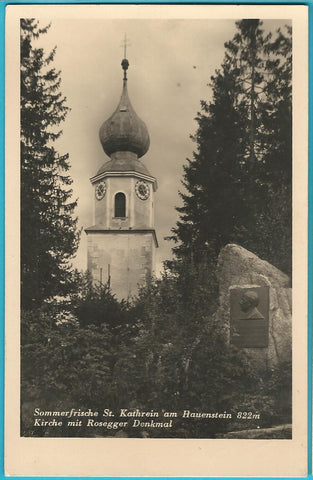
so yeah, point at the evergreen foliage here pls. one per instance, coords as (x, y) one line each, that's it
(167, 353)
(63, 366)
(238, 184)
(48, 230)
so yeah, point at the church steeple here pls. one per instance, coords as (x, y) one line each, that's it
(122, 240)
(124, 131)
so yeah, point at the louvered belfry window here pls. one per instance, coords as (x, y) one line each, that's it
(120, 205)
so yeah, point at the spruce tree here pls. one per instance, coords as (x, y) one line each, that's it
(214, 195)
(240, 176)
(49, 236)
(275, 170)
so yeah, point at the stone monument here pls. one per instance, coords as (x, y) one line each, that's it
(255, 306)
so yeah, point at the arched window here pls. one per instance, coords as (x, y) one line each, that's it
(120, 205)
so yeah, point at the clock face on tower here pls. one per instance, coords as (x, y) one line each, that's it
(100, 190)
(142, 190)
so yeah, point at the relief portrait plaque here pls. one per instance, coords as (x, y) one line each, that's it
(249, 317)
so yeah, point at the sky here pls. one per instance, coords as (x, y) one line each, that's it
(171, 62)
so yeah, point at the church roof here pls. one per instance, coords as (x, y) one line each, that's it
(124, 164)
(124, 131)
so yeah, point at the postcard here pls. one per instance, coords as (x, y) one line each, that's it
(156, 240)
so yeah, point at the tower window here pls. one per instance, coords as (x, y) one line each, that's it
(120, 205)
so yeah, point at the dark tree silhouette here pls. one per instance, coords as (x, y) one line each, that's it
(238, 183)
(49, 236)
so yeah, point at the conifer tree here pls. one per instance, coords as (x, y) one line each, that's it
(49, 236)
(240, 175)
(275, 170)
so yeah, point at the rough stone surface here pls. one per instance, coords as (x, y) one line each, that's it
(237, 267)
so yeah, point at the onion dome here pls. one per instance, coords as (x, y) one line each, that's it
(124, 131)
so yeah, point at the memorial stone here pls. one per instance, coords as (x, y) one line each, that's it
(254, 306)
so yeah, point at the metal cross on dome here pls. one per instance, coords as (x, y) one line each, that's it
(126, 43)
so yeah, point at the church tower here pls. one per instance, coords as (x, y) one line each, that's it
(122, 240)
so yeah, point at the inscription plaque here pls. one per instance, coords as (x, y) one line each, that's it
(249, 317)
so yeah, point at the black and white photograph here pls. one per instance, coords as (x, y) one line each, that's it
(157, 221)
